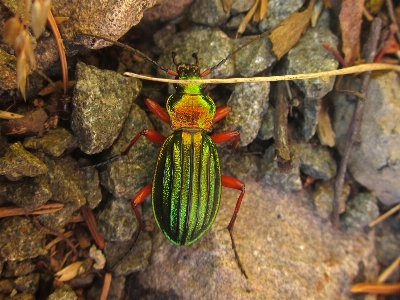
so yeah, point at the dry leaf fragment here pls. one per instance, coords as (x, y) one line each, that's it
(98, 257)
(70, 271)
(350, 23)
(40, 10)
(287, 33)
(12, 29)
(325, 132)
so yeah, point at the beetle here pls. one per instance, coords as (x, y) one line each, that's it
(187, 182)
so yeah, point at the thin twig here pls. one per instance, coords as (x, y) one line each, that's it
(61, 50)
(92, 226)
(106, 286)
(384, 216)
(325, 74)
(389, 270)
(282, 152)
(392, 16)
(55, 233)
(353, 131)
(58, 239)
(18, 211)
(6, 115)
(376, 288)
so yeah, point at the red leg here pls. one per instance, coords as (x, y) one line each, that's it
(226, 136)
(150, 134)
(136, 201)
(234, 183)
(221, 113)
(158, 110)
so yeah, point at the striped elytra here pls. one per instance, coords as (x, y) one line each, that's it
(187, 186)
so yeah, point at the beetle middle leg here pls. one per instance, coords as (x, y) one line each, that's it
(233, 183)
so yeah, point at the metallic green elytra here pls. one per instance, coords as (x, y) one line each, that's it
(187, 186)
(187, 183)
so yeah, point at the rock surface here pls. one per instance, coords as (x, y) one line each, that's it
(102, 100)
(375, 161)
(285, 249)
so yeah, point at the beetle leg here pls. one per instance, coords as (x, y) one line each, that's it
(234, 183)
(150, 134)
(158, 110)
(226, 136)
(136, 201)
(221, 113)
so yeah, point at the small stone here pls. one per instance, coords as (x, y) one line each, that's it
(29, 193)
(298, 62)
(64, 293)
(208, 12)
(249, 102)
(211, 46)
(375, 161)
(316, 161)
(241, 6)
(65, 185)
(323, 195)
(137, 259)
(54, 142)
(17, 162)
(20, 239)
(23, 296)
(277, 11)
(27, 284)
(102, 100)
(254, 58)
(360, 211)
(387, 242)
(266, 131)
(272, 176)
(18, 268)
(90, 186)
(117, 222)
(128, 174)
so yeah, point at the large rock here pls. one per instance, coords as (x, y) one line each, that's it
(375, 162)
(287, 251)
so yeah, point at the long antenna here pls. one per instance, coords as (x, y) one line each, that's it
(141, 54)
(208, 71)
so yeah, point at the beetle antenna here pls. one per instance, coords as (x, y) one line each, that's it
(208, 71)
(194, 55)
(137, 52)
(174, 59)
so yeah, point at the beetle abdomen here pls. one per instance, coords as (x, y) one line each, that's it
(186, 186)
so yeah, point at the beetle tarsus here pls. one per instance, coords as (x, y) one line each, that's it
(240, 265)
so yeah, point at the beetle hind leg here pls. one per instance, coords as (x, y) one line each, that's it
(136, 201)
(236, 184)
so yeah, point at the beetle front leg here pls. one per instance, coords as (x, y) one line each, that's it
(227, 136)
(234, 183)
(221, 113)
